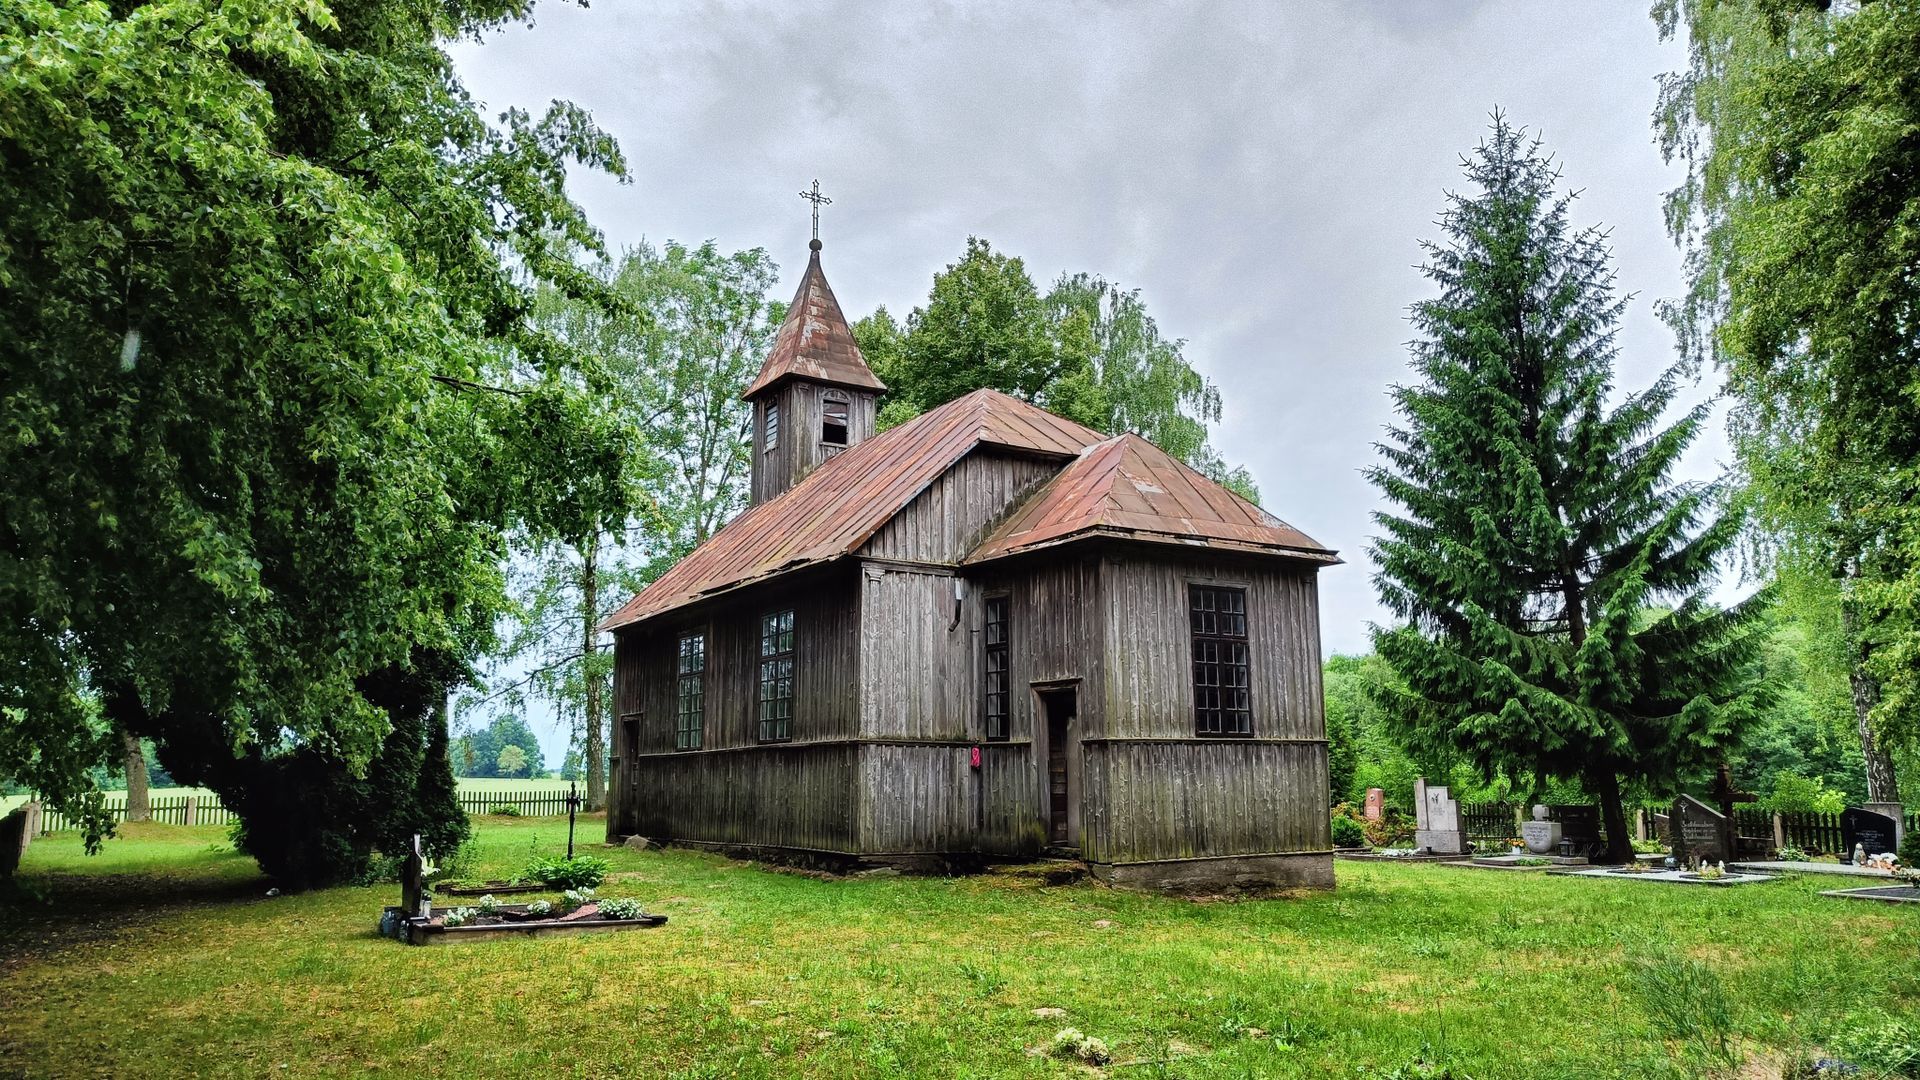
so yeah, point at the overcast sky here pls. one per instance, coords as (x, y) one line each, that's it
(1263, 172)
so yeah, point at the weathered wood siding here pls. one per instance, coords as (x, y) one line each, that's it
(826, 711)
(800, 449)
(1156, 791)
(793, 796)
(1192, 798)
(957, 510)
(916, 658)
(1150, 694)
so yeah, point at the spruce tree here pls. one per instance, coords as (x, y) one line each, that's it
(1551, 581)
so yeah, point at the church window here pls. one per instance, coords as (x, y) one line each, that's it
(691, 707)
(997, 674)
(833, 423)
(1222, 703)
(776, 676)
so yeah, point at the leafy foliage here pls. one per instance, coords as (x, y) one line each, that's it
(272, 267)
(579, 872)
(1798, 214)
(1535, 532)
(690, 328)
(477, 753)
(1087, 350)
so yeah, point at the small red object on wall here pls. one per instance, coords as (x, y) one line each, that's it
(976, 758)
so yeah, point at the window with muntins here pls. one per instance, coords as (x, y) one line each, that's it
(1222, 703)
(773, 425)
(776, 676)
(998, 678)
(833, 422)
(690, 710)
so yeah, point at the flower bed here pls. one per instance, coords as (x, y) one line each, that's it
(578, 913)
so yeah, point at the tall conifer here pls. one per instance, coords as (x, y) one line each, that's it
(1550, 579)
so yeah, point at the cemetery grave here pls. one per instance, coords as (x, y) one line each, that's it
(416, 921)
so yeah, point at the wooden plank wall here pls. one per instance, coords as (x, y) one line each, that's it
(826, 676)
(957, 510)
(1200, 797)
(1154, 790)
(800, 450)
(1151, 694)
(797, 796)
(917, 670)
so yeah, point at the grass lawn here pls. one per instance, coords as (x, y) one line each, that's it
(163, 956)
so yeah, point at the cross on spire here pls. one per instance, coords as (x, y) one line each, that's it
(818, 200)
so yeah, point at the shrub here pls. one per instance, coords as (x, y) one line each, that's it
(504, 810)
(1348, 832)
(1648, 847)
(1076, 1045)
(578, 872)
(1792, 854)
(620, 909)
(1910, 848)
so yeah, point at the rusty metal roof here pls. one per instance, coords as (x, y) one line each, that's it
(840, 505)
(815, 341)
(1127, 487)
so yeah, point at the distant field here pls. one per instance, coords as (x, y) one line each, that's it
(468, 786)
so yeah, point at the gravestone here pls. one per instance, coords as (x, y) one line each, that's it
(1876, 833)
(1438, 828)
(1699, 832)
(415, 901)
(1542, 837)
(16, 833)
(1376, 804)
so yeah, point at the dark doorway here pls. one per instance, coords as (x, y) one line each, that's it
(1059, 707)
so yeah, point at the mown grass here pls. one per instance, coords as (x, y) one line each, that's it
(162, 956)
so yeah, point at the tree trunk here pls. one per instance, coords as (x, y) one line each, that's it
(1866, 694)
(595, 741)
(1613, 818)
(139, 806)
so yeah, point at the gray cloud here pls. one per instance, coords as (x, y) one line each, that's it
(1262, 170)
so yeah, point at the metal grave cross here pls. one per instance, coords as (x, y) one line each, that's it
(573, 803)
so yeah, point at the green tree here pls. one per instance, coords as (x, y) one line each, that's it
(1087, 350)
(477, 753)
(284, 406)
(1534, 529)
(512, 761)
(1795, 121)
(690, 330)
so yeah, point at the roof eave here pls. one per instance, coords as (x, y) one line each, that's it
(1315, 556)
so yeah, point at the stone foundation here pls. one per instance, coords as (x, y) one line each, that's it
(1294, 870)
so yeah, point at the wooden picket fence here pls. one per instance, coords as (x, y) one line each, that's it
(166, 809)
(544, 803)
(209, 810)
(1490, 820)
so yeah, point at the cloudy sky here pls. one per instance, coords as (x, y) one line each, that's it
(1262, 171)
